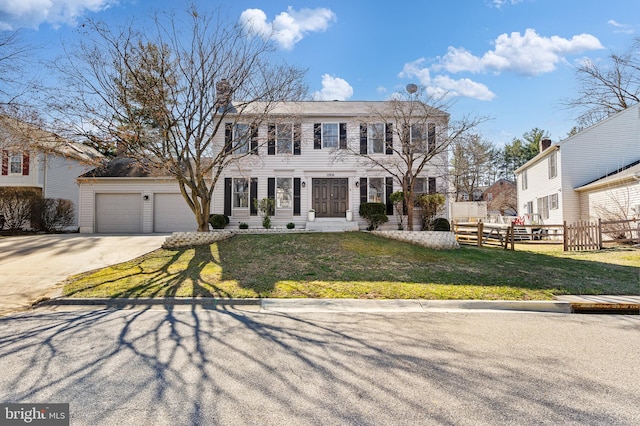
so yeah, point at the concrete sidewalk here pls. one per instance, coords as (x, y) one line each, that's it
(33, 266)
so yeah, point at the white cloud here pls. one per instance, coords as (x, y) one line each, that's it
(528, 54)
(443, 85)
(621, 28)
(333, 89)
(289, 27)
(499, 3)
(31, 13)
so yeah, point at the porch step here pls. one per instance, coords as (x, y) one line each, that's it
(331, 225)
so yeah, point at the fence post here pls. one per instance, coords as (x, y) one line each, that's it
(513, 237)
(600, 245)
(564, 236)
(480, 233)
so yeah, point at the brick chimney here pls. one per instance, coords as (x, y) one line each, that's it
(223, 94)
(544, 144)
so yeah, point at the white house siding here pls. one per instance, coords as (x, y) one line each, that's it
(582, 158)
(313, 163)
(89, 187)
(619, 200)
(540, 185)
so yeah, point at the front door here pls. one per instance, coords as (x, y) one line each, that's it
(330, 197)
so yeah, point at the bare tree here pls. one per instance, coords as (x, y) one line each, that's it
(471, 164)
(15, 57)
(421, 125)
(606, 88)
(164, 97)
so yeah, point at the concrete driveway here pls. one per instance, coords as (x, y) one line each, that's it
(32, 267)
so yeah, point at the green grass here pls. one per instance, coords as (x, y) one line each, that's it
(361, 265)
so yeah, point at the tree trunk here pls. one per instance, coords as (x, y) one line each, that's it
(203, 215)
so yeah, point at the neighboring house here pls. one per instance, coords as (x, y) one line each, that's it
(42, 161)
(501, 198)
(566, 181)
(301, 160)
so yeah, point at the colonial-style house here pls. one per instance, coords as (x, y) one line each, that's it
(501, 198)
(42, 161)
(306, 156)
(585, 175)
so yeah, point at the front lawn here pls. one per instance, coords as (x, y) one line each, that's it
(361, 265)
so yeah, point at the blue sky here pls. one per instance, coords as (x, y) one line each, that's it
(512, 60)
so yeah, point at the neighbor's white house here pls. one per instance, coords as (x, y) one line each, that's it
(42, 161)
(304, 156)
(593, 174)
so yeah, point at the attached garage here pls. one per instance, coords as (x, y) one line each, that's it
(171, 214)
(118, 213)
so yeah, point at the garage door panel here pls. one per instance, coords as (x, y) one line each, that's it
(172, 214)
(118, 213)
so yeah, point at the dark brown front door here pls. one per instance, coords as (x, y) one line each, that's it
(330, 197)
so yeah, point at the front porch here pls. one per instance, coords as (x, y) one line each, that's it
(332, 224)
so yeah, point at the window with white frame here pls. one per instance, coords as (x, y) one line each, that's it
(529, 207)
(376, 138)
(418, 138)
(241, 138)
(376, 190)
(543, 207)
(330, 135)
(241, 193)
(284, 138)
(553, 165)
(15, 163)
(523, 177)
(553, 201)
(284, 193)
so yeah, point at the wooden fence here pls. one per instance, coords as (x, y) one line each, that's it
(593, 235)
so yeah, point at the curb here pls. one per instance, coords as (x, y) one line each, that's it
(326, 305)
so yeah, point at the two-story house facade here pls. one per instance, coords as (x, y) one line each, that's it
(551, 185)
(306, 156)
(42, 162)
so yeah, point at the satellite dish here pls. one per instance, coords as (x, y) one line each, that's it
(412, 88)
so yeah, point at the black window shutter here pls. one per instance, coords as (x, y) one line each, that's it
(254, 139)
(432, 185)
(228, 136)
(388, 183)
(389, 139)
(271, 139)
(227, 196)
(297, 139)
(271, 192)
(363, 190)
(431, 138)
(317, 136)
(253, 196)
(343, 135)
(363, 138)
(296, 196)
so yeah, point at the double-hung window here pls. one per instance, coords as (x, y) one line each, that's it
(15, 163)
(543, 207)
(376, 135)
(241, 138)
(418, 138)
(553, 201)
(525, 184)
(284, 138)
(553, 165)
(330, 135)
(284, 193)
(376, 190)
(241, 193)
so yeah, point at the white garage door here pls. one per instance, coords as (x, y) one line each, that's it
(171, 214)
(119, 213)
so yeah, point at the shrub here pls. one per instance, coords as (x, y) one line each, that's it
(218, 221)
(266, 208)
(51, 214)
(374, 213)
(441, 224)
(431, 206)
(397, 198)
(243, 225)
(16, 205)
(291, 225)
(266, 222)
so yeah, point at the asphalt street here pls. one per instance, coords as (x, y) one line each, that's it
(187, 365)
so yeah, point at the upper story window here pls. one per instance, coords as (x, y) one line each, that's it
(15, 163)
(284, 138)
(418, 138)
(241, 138)
(330, 135)
(376, 135)
(553, 165)
(523, 177)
